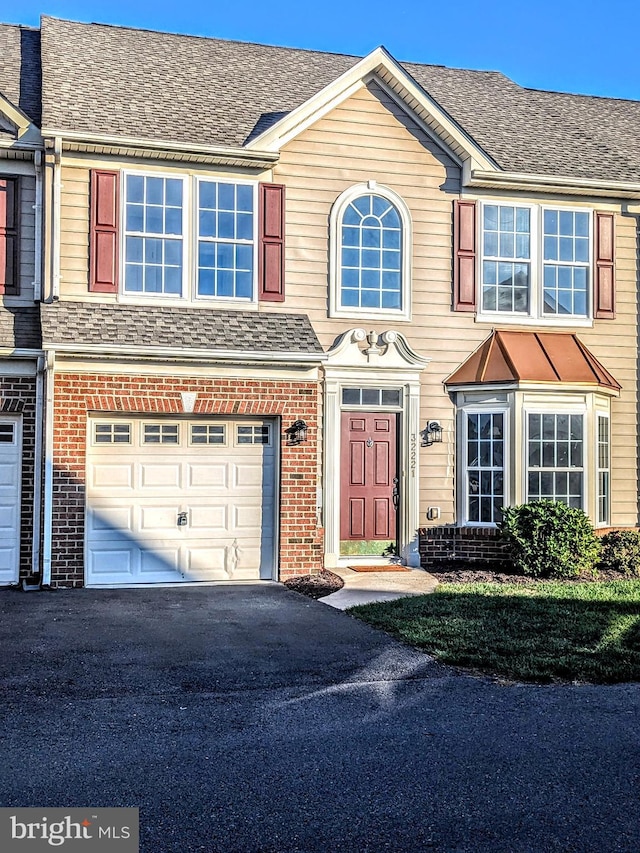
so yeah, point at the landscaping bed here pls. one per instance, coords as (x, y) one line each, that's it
(315, 586)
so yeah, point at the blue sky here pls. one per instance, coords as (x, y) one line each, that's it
(565, 45)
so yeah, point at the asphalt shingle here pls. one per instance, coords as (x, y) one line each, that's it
(20, 74)
(184, 328)
(20, 328)
(126, 82)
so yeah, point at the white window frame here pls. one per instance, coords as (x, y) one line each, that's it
(535, 315)
(335, 260)
(190, 237)
(492, 408)
(153, 297)
(195, 221)
(599, 470)
(587, 437)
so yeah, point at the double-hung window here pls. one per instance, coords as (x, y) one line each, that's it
(536, 262)
(226, 238)
(154, 235)
(485, 462)
(161, 224)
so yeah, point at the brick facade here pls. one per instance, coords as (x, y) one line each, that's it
(448, 544)
(18, 396)
(78, 395)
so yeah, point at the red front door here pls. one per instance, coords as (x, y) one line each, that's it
(368, 476)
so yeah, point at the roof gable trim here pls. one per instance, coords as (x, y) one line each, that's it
(25, 133)
(380, 64)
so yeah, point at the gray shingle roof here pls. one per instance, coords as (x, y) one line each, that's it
(20, 328)
(126, 82)
(20, 78)
(186, 328)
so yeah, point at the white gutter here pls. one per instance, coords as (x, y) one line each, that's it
(37, 207)
(180, 354)
(161, 144)
(517, 180)
(13, 352)
(47, 524)
(37, 463)
(55, 219)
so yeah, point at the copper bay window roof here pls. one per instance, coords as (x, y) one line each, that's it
(554, 357)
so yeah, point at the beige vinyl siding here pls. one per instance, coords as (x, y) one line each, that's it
(366, 138)
(74, 233)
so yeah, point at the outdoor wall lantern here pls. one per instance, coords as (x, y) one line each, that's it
(296, 433)
(431, 434)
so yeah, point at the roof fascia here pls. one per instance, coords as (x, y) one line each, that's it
(560, 387)
(74, 140)
(487, 179)
(393, 75)
(183, 354)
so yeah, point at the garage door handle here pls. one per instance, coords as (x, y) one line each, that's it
(182, 519)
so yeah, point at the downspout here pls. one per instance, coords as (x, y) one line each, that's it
(37, 473)
(37, 207)
(47, 525)
(55, 224)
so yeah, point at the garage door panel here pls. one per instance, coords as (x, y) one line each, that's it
(8, 518)
(9, 475)
(246, 518)
(159, 519)
(109, 477)
(162, 560)
(213, 519)
(107, 519)
(210, 559)
(113, 562)
(153, 476)
(208, 476)
(135, 495)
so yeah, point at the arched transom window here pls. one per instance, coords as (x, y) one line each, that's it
(371, 254)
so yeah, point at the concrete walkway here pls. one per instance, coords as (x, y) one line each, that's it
(365, 587)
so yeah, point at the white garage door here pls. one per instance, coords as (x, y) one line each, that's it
(10, 457)
(177, 500)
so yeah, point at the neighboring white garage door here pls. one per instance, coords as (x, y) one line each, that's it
(177, 500)
(10, 458)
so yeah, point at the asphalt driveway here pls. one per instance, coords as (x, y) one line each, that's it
(251, 719)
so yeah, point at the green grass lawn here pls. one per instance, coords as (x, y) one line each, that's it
(547, 631)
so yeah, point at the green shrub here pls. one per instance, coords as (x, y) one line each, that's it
(621, 551)
(550, 540)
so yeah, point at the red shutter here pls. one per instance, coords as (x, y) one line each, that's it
(605, 281)
(9, 236)
(103, 232)
(464, 255)
(271, 243)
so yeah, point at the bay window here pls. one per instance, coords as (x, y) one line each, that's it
(485, 484)
(555, 458)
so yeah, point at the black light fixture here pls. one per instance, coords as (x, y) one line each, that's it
(296, 433)
(431, 434)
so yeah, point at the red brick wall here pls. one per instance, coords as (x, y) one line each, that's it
(18, 394)
(460, 544)
(76, 395)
